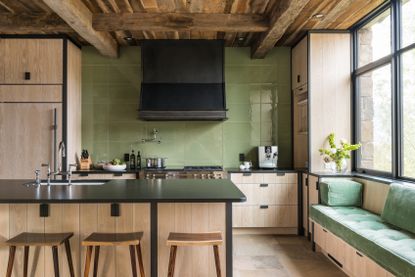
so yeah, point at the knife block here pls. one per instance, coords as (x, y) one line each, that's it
(85, 164)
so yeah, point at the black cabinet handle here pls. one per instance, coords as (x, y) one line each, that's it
(246, 174)
(263, 207)
(117, 174)
(317, 186)
(263, 185)
(306, 182)
(27, 75)
(324, 230)
(280, 174)
(298, 78)
(83, 174)
(358, 254)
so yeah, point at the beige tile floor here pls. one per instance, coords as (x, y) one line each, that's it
(268, 255)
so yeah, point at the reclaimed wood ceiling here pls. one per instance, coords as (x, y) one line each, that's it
(259, 24)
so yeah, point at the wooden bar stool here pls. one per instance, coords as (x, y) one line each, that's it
(133, 240)
(194, 239)
(40, 239)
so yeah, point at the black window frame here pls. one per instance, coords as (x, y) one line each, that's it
(394, 59)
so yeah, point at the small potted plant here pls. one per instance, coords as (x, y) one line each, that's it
(337, 156)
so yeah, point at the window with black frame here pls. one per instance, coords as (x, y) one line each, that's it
(384, 76)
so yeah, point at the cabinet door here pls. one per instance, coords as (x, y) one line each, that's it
(2, 60)
(305, 203)
(320, 236)
(27, 137)
(31, 93)
(299, 64)
(312, 192)
(335, 247)
(33, 61)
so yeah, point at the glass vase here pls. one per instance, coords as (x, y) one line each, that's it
(340, 167)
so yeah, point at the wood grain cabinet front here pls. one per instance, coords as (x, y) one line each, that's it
(272, 200)
(31, 61)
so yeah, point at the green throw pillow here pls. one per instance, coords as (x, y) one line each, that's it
(399, 209)
(341, 192)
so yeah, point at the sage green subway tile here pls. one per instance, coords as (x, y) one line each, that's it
(267, 94)
(99, 112)
(125, 131)
(241, 56)
(122, 112)
(243, 93)
(123, 93)
(250, 74)
(256, 113)
(284, 94)
(99, 74)
(124, 74)
(100, 132)
(90, 56)
(239, 112)
(266, 113)
(129, 55)
(266, 131)
(100, 152)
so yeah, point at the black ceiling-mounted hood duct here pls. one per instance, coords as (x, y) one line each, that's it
(182, 80)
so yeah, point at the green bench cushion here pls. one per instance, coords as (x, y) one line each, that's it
(391, 248)
(340, 192)
(399, 208)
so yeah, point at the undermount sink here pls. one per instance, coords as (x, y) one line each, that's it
(73, 183)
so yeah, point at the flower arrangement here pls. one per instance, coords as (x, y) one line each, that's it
(338, 155)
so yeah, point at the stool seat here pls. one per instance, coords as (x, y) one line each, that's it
(39, 239)
(52, 240)
(113, 239)
(175, 240)
(96, 240)
(193, 239)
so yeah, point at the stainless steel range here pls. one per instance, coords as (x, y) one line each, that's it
(187, 172)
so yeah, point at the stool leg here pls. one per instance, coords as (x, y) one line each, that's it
(140, 260)
(55, 260)
(133, 264)
(87, 260)
(96, 260)
(69, 257)
(12, 251)
(172, 260)
(217, 260)
(25, 261)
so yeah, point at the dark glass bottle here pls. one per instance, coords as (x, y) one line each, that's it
(132, 160)
(138, 160)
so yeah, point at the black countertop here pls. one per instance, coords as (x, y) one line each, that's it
(261, 170)
(179, 190)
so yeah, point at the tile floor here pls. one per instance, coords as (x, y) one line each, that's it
(268, 255)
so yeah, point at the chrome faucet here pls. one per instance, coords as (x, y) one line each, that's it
(62, 153)
(49, 173)
(37, 178)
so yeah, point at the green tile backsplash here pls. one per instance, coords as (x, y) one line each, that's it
(258, 96)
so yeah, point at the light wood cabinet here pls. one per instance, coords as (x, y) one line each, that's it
(27, 137)
(305, 202)
(32, 61)
(272, 200)
(27, 121)
(31, 93)
(352, 261)
(321, 83)
(299, 64)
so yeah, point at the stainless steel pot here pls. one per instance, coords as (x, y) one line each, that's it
(156, 162)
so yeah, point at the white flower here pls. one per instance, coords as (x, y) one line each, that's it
(333, 150)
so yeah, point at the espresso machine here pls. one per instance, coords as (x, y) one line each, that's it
(267, 156)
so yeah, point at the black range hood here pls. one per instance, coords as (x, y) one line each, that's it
(182, 80)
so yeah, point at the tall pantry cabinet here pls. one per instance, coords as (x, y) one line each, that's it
(40, 104)
(321, 84)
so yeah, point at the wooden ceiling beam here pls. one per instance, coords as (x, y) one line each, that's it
(282, 17)
(32, 23)
(166, 22)
(79, 17)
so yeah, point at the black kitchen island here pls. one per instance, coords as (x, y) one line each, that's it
(155, 207)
